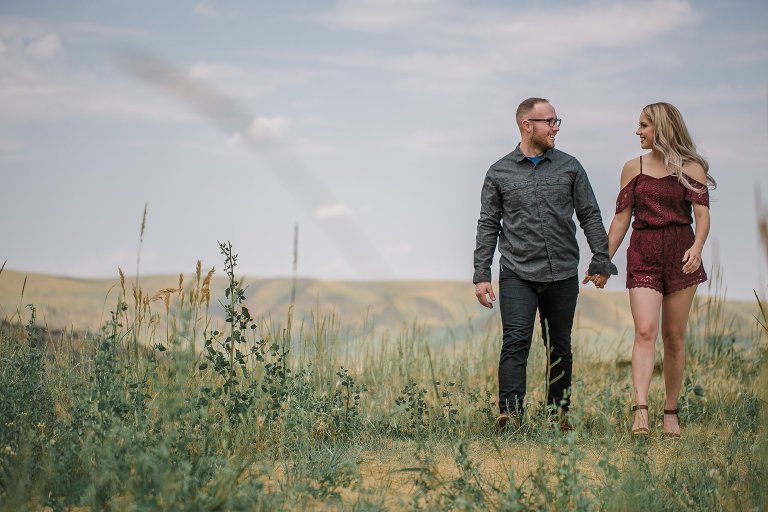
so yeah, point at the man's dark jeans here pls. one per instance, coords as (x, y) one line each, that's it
(556, 302)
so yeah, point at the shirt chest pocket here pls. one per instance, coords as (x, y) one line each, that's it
(518, 194)
(558, 193)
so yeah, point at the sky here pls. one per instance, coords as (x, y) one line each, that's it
(368, 124)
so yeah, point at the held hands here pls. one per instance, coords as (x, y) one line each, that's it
(692, 259)
(482, 292)
(598, 280)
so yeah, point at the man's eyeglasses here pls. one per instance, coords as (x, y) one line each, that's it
(551, 121)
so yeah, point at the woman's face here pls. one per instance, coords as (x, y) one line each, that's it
(645, 131)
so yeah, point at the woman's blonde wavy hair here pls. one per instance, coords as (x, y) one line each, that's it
(672, 140)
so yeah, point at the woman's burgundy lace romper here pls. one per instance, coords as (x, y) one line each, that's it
(661, 231)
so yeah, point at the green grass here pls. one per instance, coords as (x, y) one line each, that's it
(274, 415)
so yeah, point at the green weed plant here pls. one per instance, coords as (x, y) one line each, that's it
(162, 410)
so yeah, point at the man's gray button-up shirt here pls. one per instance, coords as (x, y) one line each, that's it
(528, 210)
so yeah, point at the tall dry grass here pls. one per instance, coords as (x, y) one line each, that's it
(164, 409)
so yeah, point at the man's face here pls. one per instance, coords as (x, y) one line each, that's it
(542, 135)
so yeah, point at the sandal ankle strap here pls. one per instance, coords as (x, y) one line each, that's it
(639, 407)
(671, 411)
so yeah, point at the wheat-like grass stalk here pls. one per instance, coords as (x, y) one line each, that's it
(207, 286)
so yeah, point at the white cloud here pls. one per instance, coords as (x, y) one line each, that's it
(248, 81)
(25, 44)
(616, 23)
(35, 85)
(262, 131)
(17, 28)
(342, 58)
(332, 211)
(600, 22)
(458, 46)
(720, 95)
(45, 47)
(203, 9)
(268, 128)
(433, 143)
(56, 94)
(383, 15)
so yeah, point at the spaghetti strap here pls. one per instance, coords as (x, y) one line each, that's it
(641, 164)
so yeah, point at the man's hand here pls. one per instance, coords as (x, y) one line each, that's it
(482, 292)
(598, 280)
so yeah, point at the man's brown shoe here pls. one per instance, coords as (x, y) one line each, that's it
(565, 425)
(561, 420)
(506, 422)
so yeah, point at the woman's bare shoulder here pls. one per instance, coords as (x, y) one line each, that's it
(629, 171)
(695, 171)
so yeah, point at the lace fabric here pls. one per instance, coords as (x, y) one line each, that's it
(661, 202)
(662, 231)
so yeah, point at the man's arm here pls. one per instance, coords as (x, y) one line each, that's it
(488, 230)
(591, 222)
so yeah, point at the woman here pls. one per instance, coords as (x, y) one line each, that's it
(664, 266)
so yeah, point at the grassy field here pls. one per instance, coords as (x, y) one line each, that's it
(165, 407)
(448, 309)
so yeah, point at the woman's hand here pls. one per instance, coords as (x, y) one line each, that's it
(598, 280)
(692, 259)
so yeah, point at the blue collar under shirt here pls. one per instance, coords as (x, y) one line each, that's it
(535, 159)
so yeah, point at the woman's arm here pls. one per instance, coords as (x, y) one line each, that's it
(616, 233)
(622, 219)
(619, 224)
(692, 257)
(618, 230)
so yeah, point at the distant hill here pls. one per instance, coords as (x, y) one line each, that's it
(446, 307)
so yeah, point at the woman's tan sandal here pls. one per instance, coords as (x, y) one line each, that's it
(673, 435)
(640, 431)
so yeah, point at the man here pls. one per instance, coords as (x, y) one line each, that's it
(527, 205)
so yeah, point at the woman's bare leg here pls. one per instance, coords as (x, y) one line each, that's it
(675, 310)
(646, 308)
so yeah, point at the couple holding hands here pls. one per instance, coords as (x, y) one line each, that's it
(527, 204)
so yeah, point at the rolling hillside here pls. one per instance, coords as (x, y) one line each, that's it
(447, 307)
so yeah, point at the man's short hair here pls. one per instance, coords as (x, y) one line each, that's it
(525, 107)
